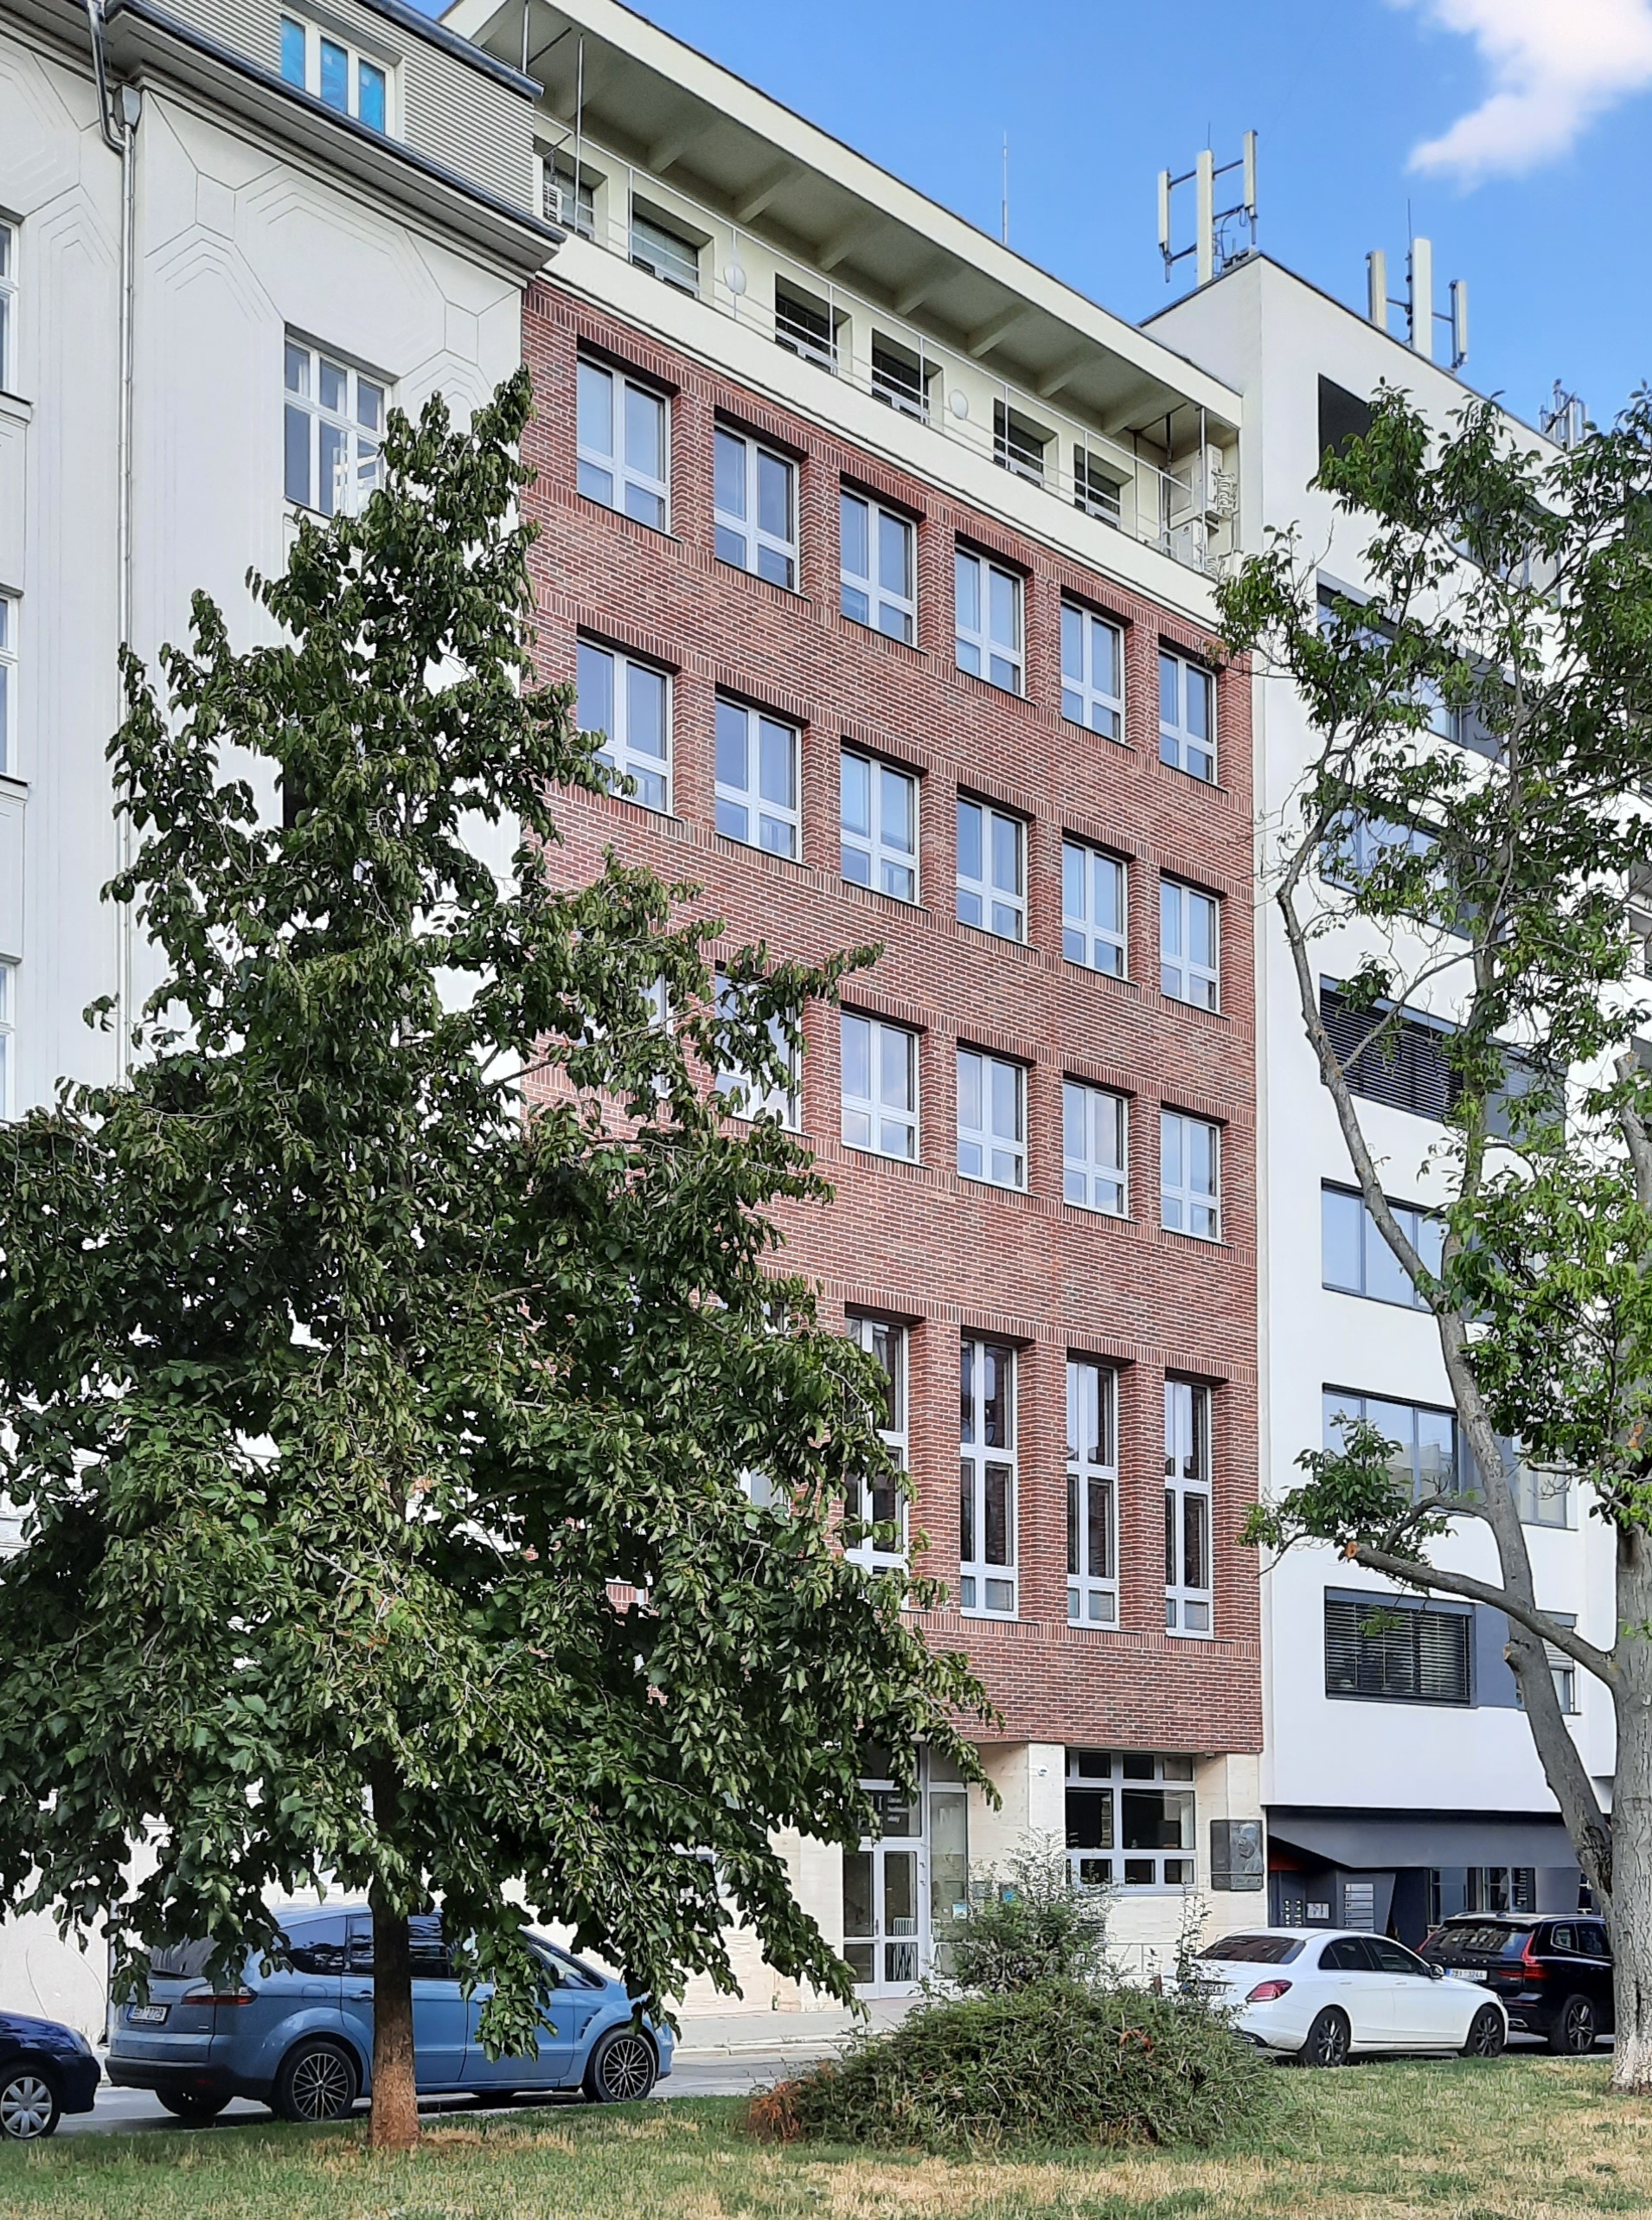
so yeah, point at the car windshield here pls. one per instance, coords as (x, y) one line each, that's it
(1486, 1941)
(1256, 1949)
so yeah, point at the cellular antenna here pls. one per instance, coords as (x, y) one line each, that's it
(1417, 303)
(1216, 246)
(1564, 421)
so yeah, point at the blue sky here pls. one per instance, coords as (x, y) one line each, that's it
(1534, 117)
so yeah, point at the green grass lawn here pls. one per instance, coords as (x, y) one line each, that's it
(1526, 2139)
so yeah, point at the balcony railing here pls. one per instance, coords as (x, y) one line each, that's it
(1186, 511)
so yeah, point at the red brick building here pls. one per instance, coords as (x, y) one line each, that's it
(1041, 1126)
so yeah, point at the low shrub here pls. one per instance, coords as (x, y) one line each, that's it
(1054, 2065)
(1029, 1925)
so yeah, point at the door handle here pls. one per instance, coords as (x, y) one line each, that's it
(359, 1996)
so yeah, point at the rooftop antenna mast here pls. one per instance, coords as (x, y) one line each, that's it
(1564, 421)
(1210, 244)
(1417, 302)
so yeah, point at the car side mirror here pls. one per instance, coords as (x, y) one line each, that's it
(1436, 1973)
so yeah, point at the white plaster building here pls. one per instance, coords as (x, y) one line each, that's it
(207, 301)
(1385, 1810)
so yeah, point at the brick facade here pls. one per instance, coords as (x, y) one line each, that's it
(917, 1242)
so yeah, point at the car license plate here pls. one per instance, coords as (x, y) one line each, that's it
(1471, 1973)
(148, 2015)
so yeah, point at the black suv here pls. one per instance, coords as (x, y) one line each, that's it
(1553, 1974)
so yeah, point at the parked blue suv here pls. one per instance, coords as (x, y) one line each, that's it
(300, 2037)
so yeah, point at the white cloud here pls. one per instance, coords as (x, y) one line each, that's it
(1554, 66)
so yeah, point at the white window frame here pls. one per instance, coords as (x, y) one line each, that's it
(744, 527)
(568, 197)
(986, 1152)
(358, 457)
(9, 251)
(1092, 1482)
(1189, 1604)
(1178, 746)
(1184, 1209)
(773, 827)
(357, 60)
(669, 255)
(998, 910)
(746, 1098)
(885, 863)
(867, 1332)
(1111, 1774)
(882, 1117)
(1085, 700)
(1085, 938)
(8, 1036)
(987, 1588)
(1181, 976)
(1000, 662)
(1019, 444)
(1091, 1116)
(894, 614)
(10, 620)
(624, 477)
(649, 772)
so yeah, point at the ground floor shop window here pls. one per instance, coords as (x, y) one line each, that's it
(1129, 1817)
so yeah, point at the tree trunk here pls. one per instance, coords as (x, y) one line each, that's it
(1632, 1911)
(393, 2125)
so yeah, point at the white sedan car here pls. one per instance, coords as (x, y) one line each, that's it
(1320, 1995)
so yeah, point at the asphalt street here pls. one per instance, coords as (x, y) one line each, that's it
(133, 2111)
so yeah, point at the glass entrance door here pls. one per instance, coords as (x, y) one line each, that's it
(884, 1925)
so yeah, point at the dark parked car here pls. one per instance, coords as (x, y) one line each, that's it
(45, 2070)
(299, 2038)
(1552, 1972)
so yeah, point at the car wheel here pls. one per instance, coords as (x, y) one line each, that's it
(1328, 2040)
(191, 2104)
(622, 2067)
(1574, 2027)
(29, 2105)
(318, 2080)
(1487, 2034)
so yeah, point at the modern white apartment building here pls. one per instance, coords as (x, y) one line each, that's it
(216, 275)
(1399, 1777)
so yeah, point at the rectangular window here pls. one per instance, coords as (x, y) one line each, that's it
(987, 1504)
(992, 870)
(746, 1095)
(1187, 716)
(756, 509)
(1355, 1259)
(8, 686)
(1093, 1124)
(1544, 1497)
(988, 620)
(757, 779)
(1408, 1067)
(624, 451)
(1093, 671)
(1187, 1577)
(1018, 444)
(1189, 1176)
(878, 812)
(1095, 488)
(8, 1020)
(881, 1506)
(1092, 909)
(879, 584)
(334, 425)
(1092, 1495)
(1129, 1817)
(1398, 1649)
(7, 307)
(334, 73)
(664, 252)
(879, 1086)
(992, 1119)
(1190, 944)
(899, 378)
(630, 703)
(569, 198)
(1425, 1461)
(804, 325)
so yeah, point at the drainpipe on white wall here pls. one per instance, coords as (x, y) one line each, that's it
(118, 109)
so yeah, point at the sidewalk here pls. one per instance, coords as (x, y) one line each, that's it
(726, 2034)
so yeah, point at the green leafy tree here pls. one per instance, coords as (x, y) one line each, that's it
(382, 1370)
(1475, 802)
